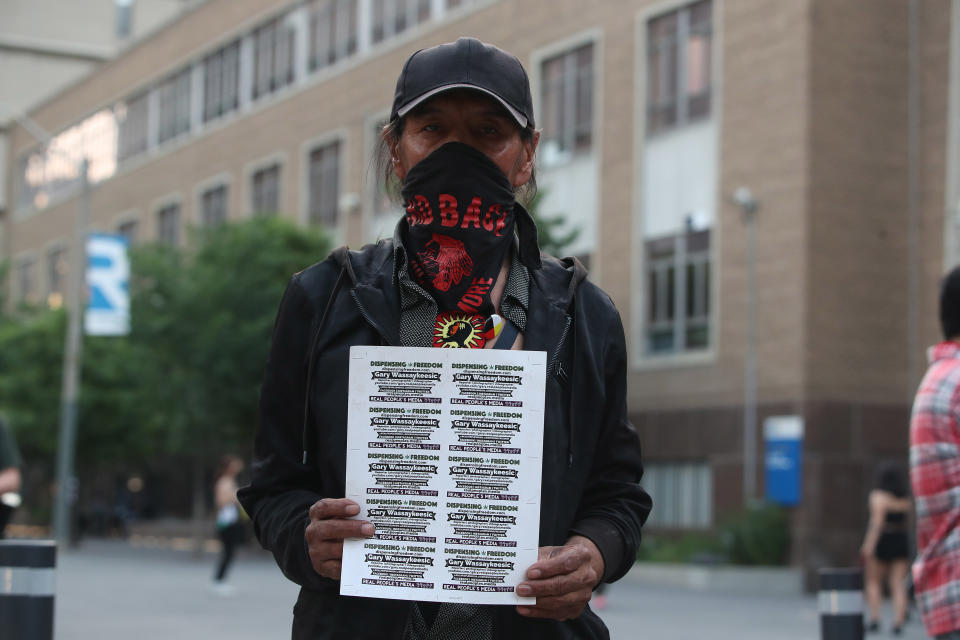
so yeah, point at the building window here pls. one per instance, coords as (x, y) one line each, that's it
(174, 106)
(221, 78)
(133, 132)
(123, 11)
(682, 493)
(324, 184)
(272, 57)
(393, 17)
(56, 276)
(678, 292)
(168, 224)
(27, 280)
(128, 230)
(566, 101)
(265, 190)
(333, 31)
(679, 79)
(213, 206)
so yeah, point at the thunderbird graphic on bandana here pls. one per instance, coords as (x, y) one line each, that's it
(446, 261)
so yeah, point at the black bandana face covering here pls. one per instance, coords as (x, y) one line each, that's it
(459, 227)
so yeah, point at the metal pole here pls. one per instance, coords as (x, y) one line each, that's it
(750, 358)
(914, 262)
(72, 359)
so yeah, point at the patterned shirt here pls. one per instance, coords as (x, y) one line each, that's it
(935, 476)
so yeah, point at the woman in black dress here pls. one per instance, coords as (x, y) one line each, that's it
(885, 547)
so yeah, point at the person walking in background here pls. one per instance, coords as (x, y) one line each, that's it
(229, 526)
(885, 548)
(10, 462)
(935, 474)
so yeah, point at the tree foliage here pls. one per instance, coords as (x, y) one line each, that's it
(207, 316)
(185, 381)
(549, 236)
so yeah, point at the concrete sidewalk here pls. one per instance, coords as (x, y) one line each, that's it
(111, 590)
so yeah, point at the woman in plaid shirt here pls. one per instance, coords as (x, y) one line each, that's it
(935, 474)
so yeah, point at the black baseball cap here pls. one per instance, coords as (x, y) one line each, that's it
(464, 64)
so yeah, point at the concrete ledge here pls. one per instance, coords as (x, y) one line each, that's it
(781, 581)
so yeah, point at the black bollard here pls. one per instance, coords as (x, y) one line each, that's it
(841, 604)
(27, 572)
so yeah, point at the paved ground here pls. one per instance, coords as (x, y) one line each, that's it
(109, 590)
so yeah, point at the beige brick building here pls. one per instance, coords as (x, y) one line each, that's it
(46, 45)
(840, 117)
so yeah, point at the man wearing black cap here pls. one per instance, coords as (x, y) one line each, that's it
(463, 270)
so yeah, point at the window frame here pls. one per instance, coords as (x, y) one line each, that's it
(345, 18)
(180, 124)
(277, 159)
(680, 101)
(319, 217)
(174, 201)
(689, 505)
(217, 61)
(224, 179)
(277, 78)
(568, 135)
(641, 359)
(26, 262)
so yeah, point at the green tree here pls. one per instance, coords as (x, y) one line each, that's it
(184, 384)
(549, 237)
(205, 317)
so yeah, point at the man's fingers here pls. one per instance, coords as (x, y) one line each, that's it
(339, 529)
(329, 569)
(580, 581)
(327, 550)
(557, 608)
(333, 508)
(555, 561)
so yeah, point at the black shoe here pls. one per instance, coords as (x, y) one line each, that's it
(873, 627)
(897, 630)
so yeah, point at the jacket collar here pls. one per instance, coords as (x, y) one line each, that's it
(947, 350)
(373, 288)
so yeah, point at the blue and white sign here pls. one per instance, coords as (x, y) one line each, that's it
(783, 459)
(108, 276)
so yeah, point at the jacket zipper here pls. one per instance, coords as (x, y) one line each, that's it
(370, 321)
(555, 367)
(555, 358)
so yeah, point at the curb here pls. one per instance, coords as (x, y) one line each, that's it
(738, 580)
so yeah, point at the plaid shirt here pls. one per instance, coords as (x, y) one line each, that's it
(935, 476)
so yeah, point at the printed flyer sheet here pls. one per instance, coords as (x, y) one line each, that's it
(444, 454)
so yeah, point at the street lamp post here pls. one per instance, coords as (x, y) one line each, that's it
(73, 342)
(748, 204)
(72, 359)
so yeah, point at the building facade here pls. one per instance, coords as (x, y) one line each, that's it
(839, 118)
(45, 45)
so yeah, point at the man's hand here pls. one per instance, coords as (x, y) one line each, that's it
(331, 520)
(562, 580)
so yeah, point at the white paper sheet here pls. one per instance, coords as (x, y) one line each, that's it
(444, 452)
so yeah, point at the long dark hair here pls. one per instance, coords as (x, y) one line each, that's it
(891, 479)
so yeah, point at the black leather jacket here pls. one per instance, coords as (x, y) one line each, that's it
(591, 457)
